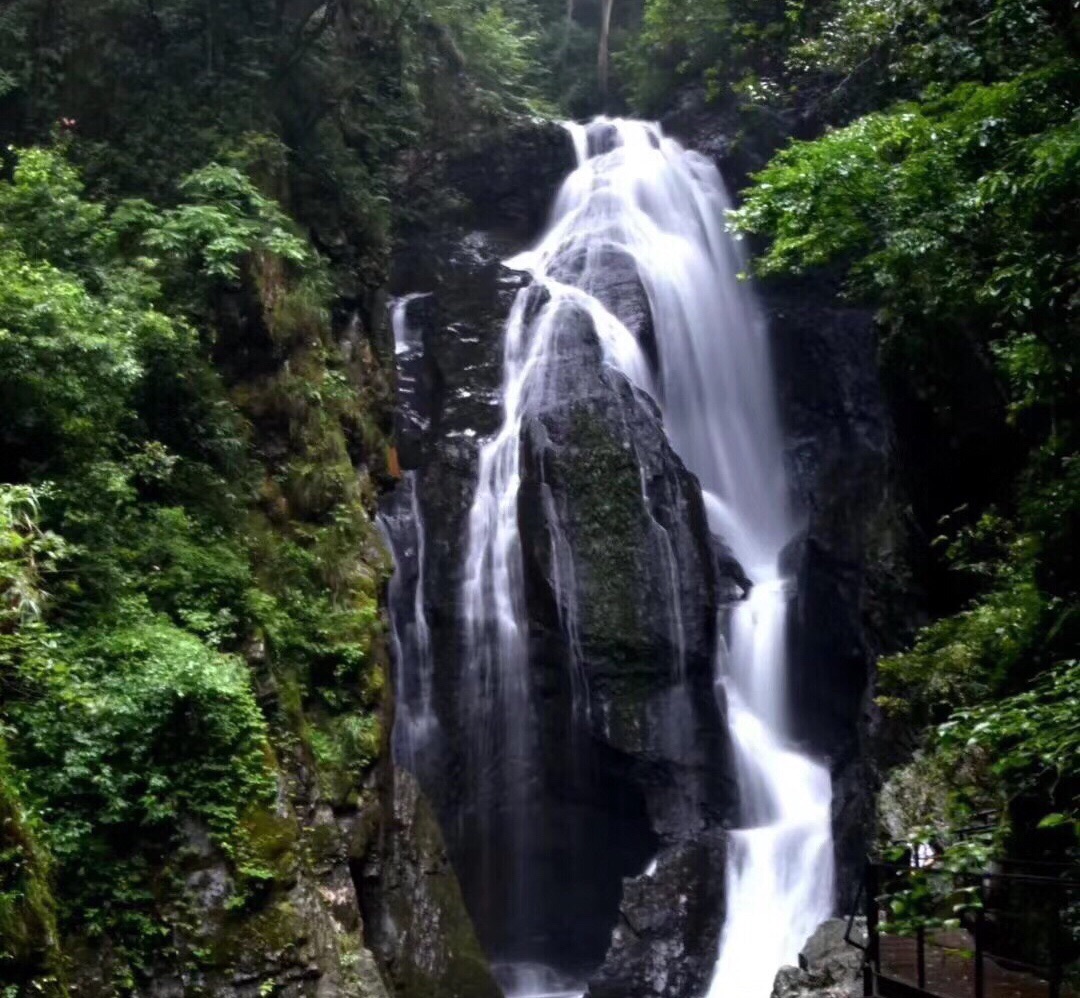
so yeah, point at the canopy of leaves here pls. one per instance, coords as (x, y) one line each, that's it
(727, 46)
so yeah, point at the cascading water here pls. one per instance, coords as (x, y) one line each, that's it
(638, 194)
(416, 724)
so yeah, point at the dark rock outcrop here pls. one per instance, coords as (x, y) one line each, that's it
(508, 178)
(740, 136)
(617, 286)
(603, 482)
(301, 937)
(665, 943)
(829, 966)
(855, 595)
(643, 764)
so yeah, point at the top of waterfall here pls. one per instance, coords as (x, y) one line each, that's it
(637, 194)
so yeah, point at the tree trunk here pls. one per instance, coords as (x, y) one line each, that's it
(603, 55)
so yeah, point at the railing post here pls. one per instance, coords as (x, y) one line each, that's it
(872, 967)
(1057, 947)
(920, 955)
(979, 976)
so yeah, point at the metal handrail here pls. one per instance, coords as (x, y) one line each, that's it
(851, 920)
(873, 975)
(987, 875)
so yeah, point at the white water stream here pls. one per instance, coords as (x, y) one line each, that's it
(415, 723)
(639, 193)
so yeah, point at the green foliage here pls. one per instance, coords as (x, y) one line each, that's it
(950, 203)
(26, 554)
(958, 214)
(727, 45)
(225, 218)
(1031, 741)
(148, 93)
(954, 206)
(132, 581)
(1009, 756)
(497, 44)
(978, 652)
(175, 404)
(28, 934)
(940, 894)
(896, 48)
(137, 726)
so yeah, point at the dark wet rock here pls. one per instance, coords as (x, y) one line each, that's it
(302, 937)
(651, 762)
(603, 483)
(602, 138)
(740, 137)
(414, 913)
(617, 286)
(666, 941)
(829, 966)
(855, 597)
(509, 178)
(643, 762)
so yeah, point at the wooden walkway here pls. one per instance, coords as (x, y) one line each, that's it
(950, 969)
(1014, 944)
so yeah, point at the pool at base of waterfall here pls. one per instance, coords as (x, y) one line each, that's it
(535, 980)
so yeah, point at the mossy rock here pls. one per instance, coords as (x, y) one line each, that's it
(415, 914)
(29, 951)
(603, 488)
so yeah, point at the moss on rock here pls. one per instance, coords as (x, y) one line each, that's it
(603, 484)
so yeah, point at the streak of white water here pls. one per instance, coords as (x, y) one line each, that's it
(532, 980)
(416, 722)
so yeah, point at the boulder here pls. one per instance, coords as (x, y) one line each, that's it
(666, 940)
(829, 966)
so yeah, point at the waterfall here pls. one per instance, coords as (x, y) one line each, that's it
(705, 362)
(641, 192)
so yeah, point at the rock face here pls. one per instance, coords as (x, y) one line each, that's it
(415, 917)
(508, 178)
(829, 966)
(302, 937)
(855, 595)
(624, 585)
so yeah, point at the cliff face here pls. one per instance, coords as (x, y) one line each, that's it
(342, 887)
(854, 588)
